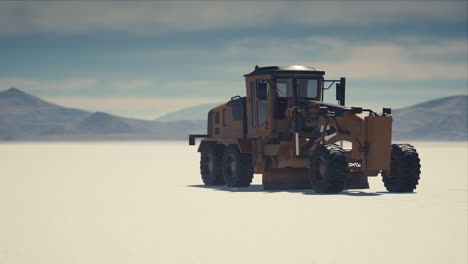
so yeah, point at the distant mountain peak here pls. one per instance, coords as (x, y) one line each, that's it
(13, 91)
(101, 118)
(14, 98)
(101, 115)
(441, 119)
(103, 123)
(452, 100)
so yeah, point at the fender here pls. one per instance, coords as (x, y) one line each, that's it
(245, 145)
(355, 154)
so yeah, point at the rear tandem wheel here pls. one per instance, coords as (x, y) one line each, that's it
(237, 167)
(210, 165)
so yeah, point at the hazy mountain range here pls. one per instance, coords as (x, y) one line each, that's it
(441, 119)
(198, 112)
(26, 117)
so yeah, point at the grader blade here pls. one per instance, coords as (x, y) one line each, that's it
(285, 179)
(357, 181)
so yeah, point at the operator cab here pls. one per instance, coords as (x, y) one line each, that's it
(292, 85)
(271, 90)
(295, 81)
(286, 81)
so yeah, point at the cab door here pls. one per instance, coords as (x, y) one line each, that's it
(259, 105)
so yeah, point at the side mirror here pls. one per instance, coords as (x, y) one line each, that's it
(340, 91)
(262, 92)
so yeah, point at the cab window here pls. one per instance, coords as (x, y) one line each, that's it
(307, 88)
(262, 107)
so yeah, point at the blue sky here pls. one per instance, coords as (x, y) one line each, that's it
(144, 59)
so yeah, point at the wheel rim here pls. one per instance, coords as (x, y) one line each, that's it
(208, 164)
(320, 169)
(231, 165)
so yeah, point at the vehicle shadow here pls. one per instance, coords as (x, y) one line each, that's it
(259, 188)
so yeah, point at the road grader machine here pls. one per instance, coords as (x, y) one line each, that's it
(285, 131)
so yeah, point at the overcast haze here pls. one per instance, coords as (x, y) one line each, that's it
(144, 59)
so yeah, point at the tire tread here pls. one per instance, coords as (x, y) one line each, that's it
(216, 177)
(244, 172)
(410, 169)
(335, 179)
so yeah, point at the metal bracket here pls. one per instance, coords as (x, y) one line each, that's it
(193, 137)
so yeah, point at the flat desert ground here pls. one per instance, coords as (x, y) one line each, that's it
(143, 202)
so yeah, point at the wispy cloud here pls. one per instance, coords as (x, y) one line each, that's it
(47, 85)
(137, 107)
(134, 105)
(133, 84)
(188, 16)
(420, 59)
(169, 87)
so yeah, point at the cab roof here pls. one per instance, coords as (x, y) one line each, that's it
(287, 69)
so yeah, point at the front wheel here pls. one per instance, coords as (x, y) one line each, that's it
(405, 169)
(327, 169)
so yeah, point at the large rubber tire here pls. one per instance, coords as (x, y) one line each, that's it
(210, 165)
(405, 169)
(237, 167)
(327, 169)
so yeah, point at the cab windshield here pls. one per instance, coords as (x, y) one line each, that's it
(307, 88)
